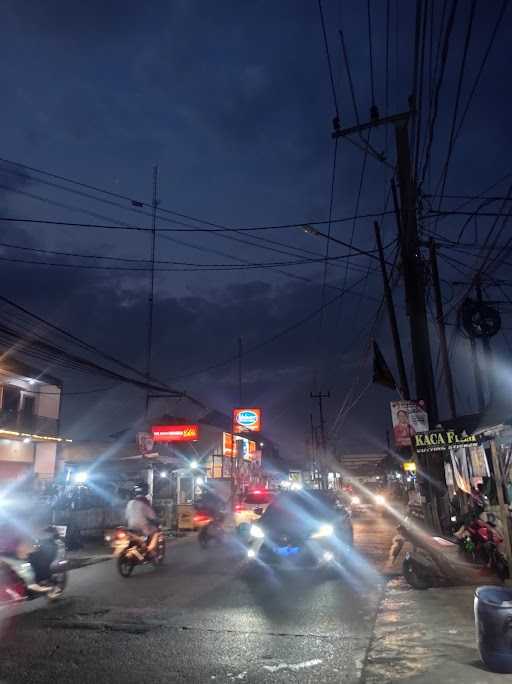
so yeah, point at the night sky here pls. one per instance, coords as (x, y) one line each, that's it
(233, 101)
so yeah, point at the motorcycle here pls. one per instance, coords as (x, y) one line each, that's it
(130, 549)
(480, 538)
(42, 573)
(433, 561)
(211, 528)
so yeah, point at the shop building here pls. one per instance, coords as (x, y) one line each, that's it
(30, 402)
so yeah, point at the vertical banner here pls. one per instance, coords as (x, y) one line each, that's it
(409, 418)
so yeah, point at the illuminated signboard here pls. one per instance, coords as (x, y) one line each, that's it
(409, 466)
(227, 444)
(246, 420)
(175, 433)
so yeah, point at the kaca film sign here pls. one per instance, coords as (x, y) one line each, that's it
(439, 440)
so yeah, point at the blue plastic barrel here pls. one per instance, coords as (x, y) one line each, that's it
(493, 623)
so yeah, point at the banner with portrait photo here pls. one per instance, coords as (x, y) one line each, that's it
(409, 418)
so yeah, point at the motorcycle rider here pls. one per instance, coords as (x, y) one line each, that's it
(140, 516)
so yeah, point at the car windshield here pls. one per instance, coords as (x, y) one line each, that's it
(304, 507)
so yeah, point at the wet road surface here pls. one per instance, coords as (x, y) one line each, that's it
(199, 618)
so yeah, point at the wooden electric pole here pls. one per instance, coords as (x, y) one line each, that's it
(433, 482)
(445, 356)
(388, 295)
(486, 344)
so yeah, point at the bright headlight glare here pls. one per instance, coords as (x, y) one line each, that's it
(323, 531)
(356, 500)
(256, 532)
(380, 499)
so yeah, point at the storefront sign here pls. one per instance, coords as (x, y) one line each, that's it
(409, 418)
(175, 433)
(145, 443)
(246, 420)
(409, 466)
(227, 444)
(439, 440)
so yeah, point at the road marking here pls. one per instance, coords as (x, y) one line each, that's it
(293, 666)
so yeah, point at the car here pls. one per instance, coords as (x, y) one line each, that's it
(369, 497)
(252, 506)
(306, 528)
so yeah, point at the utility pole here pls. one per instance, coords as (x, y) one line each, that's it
(240, 355)
(486, 343)
(414, 282)
(313, 447)
(149, 351)
(477, 372)
(414, 277)
(323, 441)
(388, 295)
(441, 328)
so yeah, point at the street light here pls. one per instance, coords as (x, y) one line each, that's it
(81, 477)
(194, 465)
(311, 230)
(163, 473)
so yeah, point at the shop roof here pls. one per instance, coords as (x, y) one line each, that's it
(17, 367)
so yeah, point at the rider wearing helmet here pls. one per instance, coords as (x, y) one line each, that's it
(140, 515)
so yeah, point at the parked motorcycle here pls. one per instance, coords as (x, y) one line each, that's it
(432, 560)
(480, 539)
(42, 573)
(130, 549)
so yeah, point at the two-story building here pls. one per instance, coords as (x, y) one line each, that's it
(30, 403)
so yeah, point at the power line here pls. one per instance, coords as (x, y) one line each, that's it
(282, 226)
(444, 59)
(269, 340)
(193, 269)
(482, 65)
(328, 57)
(74, 338)
(451, 139)
(370, 51)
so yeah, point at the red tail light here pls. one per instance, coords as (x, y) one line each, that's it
(201, 518)
(239, 508)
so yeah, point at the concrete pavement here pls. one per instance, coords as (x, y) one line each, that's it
(426, 636)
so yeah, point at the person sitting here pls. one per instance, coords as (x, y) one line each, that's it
(141, 517)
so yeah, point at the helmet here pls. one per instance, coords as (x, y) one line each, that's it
(141, 489)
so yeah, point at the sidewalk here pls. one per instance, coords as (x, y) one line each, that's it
(96, 551)
(426, 636)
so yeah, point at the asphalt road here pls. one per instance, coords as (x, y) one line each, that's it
(199, 618)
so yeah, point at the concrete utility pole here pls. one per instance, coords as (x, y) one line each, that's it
(404, 385)
(323, 440)
(414, 281)
(441, 328)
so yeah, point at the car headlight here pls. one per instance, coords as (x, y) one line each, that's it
(380, 499)
(323, 531)
(256, 532)
(356, 500)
